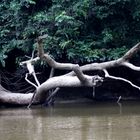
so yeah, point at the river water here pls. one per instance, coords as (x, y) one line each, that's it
(86, 121)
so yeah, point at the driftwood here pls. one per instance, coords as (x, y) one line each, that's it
(75, 78)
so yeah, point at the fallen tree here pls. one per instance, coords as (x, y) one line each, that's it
(75, 78)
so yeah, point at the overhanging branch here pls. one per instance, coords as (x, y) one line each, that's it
(107, 75)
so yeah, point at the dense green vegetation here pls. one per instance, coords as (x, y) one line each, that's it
(79, 31)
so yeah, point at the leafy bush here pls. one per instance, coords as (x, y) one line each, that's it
(78, 30)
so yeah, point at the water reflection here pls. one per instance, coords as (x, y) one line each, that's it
(70, 122)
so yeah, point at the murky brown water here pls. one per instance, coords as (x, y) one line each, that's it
(97, 121)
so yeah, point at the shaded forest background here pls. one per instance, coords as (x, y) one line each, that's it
(79, 31)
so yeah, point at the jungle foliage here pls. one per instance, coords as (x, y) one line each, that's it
(79, 31)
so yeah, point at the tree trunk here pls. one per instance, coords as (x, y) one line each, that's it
(76, 78)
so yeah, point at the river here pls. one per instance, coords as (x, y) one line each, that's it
(86, 121)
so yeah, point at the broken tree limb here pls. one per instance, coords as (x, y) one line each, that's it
(94, 66)
(76, 78)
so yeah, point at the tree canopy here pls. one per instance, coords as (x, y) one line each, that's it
(79, 31)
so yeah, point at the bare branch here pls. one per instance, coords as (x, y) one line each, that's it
(131, 66)
(79, 73)
(106, 73)
(122, 79)
(34, 75)
(33, 54)
(89, 67)
(52, 73)
(30, 61)
(118, 101)
(31, 70)
(30, 67)
(131, 52)
(80, 79)
(53, 94)
(32, 100)
(52, 63)
(30, 81)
